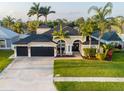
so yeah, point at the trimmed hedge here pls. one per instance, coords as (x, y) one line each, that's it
(89, 52)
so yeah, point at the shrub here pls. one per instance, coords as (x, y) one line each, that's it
(100, 56)
(89, 52)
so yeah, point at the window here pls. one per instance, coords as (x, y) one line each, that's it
(2, 43)
(68, 48)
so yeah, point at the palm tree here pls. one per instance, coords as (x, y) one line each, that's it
(18, 27)
(79, 23)
(87, 29)
(35, 10)
(60, 35)
(45, 11)
(100, 17)
(8, 21)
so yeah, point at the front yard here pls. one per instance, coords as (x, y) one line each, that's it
(94, 68)
(4, 60)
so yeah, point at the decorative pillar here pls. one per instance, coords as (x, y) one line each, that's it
(55, 52)
(15, 52)
(29, 51)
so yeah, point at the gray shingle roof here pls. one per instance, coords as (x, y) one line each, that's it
(71, 31)
(7, 33)
(34, 38)
(108, 36)
(46, 36)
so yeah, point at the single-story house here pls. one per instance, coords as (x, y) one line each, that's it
(43, 43)
(7, 37)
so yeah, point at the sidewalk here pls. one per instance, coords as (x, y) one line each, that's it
(90, 79)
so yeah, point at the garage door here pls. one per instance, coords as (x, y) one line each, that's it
(42, 51)
(22, 51)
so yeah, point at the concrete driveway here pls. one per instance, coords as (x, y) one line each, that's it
(34, 73)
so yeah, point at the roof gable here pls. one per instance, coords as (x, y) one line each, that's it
(108, 36)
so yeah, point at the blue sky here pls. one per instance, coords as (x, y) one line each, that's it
(68, 10)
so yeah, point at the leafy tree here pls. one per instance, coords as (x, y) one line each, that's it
(45, 11)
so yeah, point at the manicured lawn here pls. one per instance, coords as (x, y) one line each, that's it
(84, 68)
(89, 86)
(4, 60)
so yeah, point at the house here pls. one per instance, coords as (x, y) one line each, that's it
(7, 37)
(43, 43)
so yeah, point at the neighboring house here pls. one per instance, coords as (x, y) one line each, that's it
(108, 37)
(43, 43)
(7, 37)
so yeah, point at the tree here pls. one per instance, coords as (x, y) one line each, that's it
(32, 26)
(79, 23)
(8, 21)
(18, 27)
(87, 29)
(35, 10)
(45, 11)
(60, 35)
(100, 17)
(118, 23)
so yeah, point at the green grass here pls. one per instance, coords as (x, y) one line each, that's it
(4, 60)
(93, 68)
(90, 86)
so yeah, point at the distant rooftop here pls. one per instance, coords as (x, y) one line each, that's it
(7, 33)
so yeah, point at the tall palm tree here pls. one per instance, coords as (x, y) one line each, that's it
(35, 10)
(118, 23)
(45, 11)
(100, 17)
(79, 23)
(87, 29)
(61, 35)
(8, 21)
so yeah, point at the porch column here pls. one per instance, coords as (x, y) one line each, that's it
(15, 52)
(68, 49)
(29, 51)
(55, 51)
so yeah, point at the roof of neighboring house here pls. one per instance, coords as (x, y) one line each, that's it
(35, 38)
(7, 33)
(108, 36)
(93, 42)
